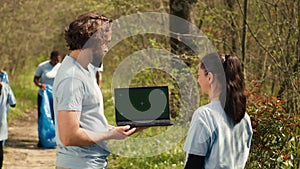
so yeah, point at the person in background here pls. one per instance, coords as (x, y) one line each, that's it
(44, 75)
(3, 76)
(99, 72)
(7, 98)
(82, 129)
(220, 132)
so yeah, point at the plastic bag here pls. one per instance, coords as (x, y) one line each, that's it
(46, 128)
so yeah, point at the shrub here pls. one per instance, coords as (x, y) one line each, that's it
(275, 142)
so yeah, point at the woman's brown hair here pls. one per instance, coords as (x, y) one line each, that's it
(234, 96)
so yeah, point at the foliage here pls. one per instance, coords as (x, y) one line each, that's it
(30, 29)
(272, 41)
(24, 90)
(275, 141)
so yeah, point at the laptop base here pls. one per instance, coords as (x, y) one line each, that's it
(145, 123)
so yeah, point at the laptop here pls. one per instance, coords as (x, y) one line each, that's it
(142, 106)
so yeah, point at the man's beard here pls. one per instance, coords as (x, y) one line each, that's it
(96, 60)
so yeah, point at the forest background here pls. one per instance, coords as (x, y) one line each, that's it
(264, 35)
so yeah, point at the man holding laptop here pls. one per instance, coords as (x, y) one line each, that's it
(81, 127)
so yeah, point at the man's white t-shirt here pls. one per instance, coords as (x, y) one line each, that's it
(75, 88)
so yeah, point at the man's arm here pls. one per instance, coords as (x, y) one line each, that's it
(11, 97)
(99, 78)
(71, 134)
(0, 87)
(37, 82)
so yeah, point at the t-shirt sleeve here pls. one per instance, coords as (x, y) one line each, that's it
(39, 71)
(199, 136)
(69, 94)
(11, 97)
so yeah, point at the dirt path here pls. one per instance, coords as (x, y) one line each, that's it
(20, 150)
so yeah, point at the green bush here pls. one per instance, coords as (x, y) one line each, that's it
(275, 142)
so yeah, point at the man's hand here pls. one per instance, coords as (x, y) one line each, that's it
(42, 86)
(121, 132)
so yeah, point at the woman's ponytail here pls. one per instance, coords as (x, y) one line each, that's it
(235, 104)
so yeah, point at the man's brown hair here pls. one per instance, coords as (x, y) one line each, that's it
(83, 27)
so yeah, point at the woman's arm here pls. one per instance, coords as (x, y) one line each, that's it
(194, 162)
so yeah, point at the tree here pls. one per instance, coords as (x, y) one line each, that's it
(184, 10)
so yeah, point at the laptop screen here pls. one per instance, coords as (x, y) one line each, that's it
(142, 103)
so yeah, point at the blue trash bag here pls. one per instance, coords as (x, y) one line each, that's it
(46, 128)
(4, 77)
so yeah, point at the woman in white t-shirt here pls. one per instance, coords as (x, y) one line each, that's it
(220, 132)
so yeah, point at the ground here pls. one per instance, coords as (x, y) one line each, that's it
(20, 150)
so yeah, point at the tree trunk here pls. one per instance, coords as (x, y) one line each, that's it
(230, 4)
(244, 38)
(296, 66)
(184, 10)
